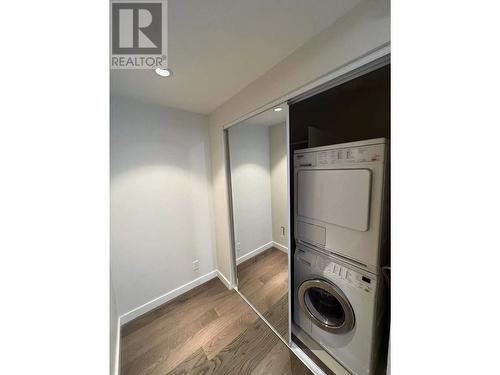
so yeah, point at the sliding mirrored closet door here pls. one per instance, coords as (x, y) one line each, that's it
(257, 152)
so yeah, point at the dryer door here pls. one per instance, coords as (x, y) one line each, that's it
(326, 305)
(335, 196)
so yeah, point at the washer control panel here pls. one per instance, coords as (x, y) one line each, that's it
(345, 274)
(335, 156)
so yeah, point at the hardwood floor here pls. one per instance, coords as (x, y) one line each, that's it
(263, 280)
(209, 330)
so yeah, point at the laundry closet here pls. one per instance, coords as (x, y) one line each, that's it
(318, 273)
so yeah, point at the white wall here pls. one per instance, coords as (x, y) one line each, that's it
(251, 188)
(364, 29)
(161, 208)
(221, 205)
(278, 170)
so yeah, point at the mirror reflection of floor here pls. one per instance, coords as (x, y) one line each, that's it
(263, 280)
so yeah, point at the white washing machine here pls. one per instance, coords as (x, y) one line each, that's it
(336, 304)
(339, 200)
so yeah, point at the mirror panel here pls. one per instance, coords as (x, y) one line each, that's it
(258, 167)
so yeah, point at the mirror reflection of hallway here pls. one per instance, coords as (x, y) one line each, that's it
(258, 165)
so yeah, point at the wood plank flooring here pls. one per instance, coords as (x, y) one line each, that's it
(209, 330)
(263, 280)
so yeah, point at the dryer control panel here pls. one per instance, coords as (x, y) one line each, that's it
(335, 155)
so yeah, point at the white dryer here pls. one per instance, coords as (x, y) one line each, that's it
(336, 304)
(339, 200)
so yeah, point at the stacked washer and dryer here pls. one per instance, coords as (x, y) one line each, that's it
(341, 244)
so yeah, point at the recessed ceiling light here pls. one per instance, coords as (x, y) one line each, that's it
(163, 72)
(278, 109)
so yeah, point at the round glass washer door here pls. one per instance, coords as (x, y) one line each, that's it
(326, 305)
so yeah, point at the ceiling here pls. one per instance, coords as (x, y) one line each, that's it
(217, 47)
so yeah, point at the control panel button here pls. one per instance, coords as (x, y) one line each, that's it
(338, 271)
(348, 275)
(343, 273)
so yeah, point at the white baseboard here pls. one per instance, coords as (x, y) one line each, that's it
(223, 279)
(148, 306)
(280, 247)
(253, 253)
(116, 370)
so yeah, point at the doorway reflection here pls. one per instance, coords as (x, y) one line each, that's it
(258, 167)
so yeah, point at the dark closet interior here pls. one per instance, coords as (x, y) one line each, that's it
(355, 110)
